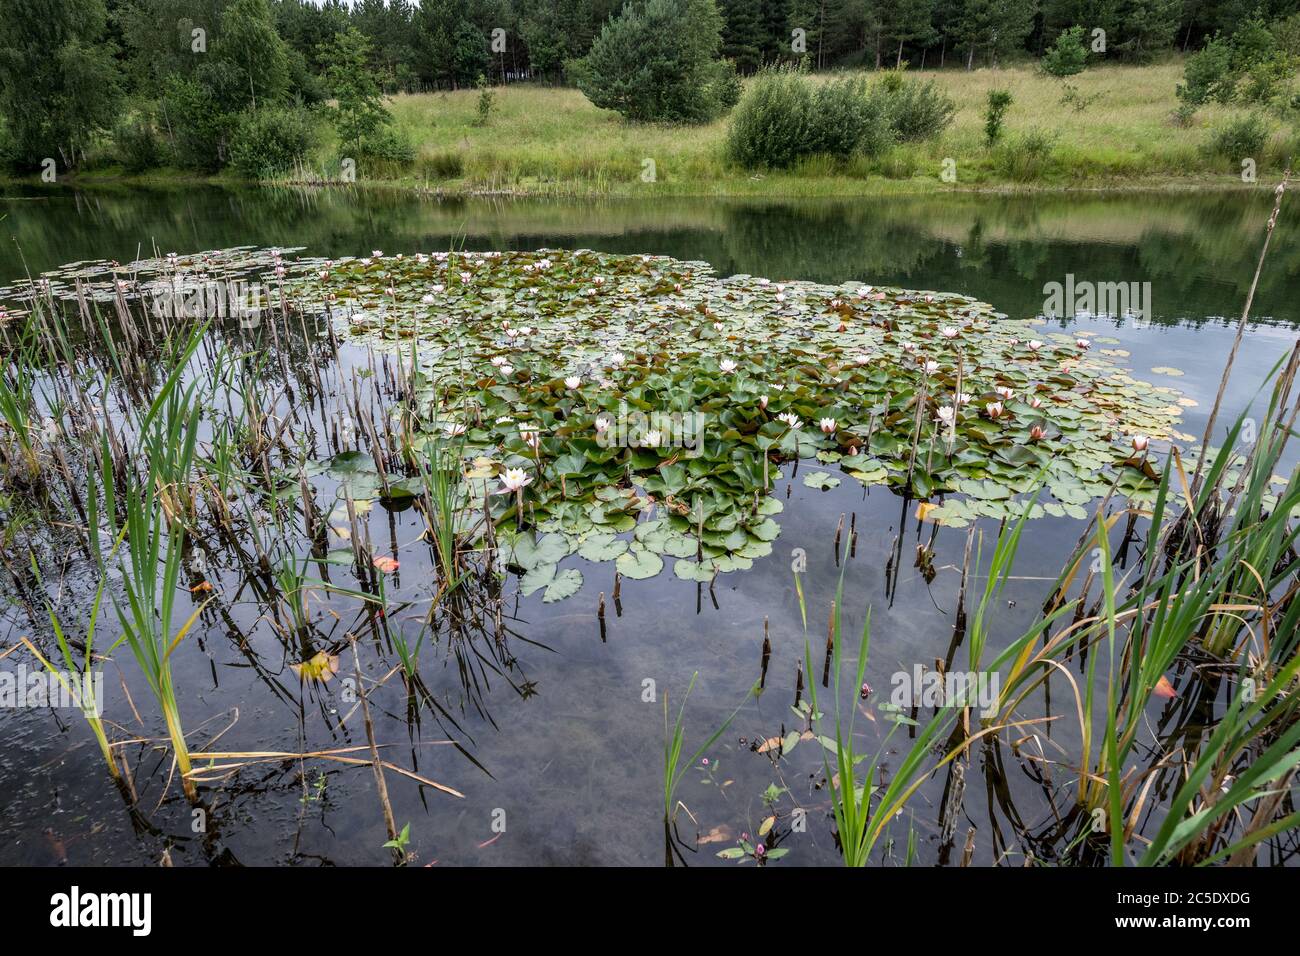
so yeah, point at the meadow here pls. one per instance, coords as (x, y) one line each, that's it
(1117, 130)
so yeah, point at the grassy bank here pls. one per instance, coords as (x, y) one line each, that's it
(1117, 131)
(543, 140)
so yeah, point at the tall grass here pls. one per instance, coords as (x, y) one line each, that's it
(156, 505)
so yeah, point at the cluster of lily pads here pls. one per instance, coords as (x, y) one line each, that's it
(590, 395)
(530, 361)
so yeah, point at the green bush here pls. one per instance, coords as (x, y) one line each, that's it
(784, 117)
(388, 145)
(918, 111)
(198, 126)
(771, 125)
(658, 61)
(1026, 157)
(1208, 74)
(995, 112)
(1240, 138)
(1067, 56)
(269, 142)
(445, 164)
(136, 145)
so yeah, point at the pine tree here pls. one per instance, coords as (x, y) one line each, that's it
(742, 34)
(908, 21)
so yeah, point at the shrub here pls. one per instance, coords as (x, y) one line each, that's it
(136, 145)
(848, 119)
(783, 118)
(197, 123)
(387, 145)
(1067, 56)
(1267, 79)
(441, 165)
(486, 101)
(658, 61)
(1184, 116)
(995, 112)
(1208, 74)
(1026, 157)
(1240, 138)
(1076, 99)
(1286, 35)
(271, 141)
(917, 111)
(771, 125)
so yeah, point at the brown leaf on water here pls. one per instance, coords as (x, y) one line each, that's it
(923, 509)
(771, 743)
(720, 834)
(1164, 689)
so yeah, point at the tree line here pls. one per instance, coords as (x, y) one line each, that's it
(196, 69)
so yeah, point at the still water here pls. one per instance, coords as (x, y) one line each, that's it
(561, 749)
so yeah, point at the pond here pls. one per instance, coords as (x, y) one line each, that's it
(549, 726)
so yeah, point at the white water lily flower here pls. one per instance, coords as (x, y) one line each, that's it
(505, 420)
(1035, 345)
(864, 291)
(1140, 442)
(573, 381)
(616, 358)
(1083, 343)
(727, 366)
(827, 426)
(949, 332)
(994, 409)
(378, 254)
(762, 401)
(1005, 392)
(452, 429)
(930, 367)
(515, 479)
(652, 438)
(530, 435)
(862, 358)
(790, 418)
(946, 414)
(962, 398)
(602, 424)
